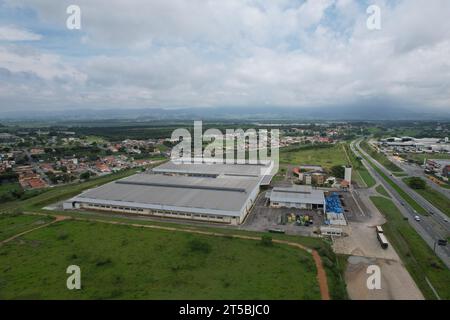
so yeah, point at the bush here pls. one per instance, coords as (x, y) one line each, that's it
(85, 175)
(197, 245)
(327, 262)
(416, 183)
(103, 261)
(62, 236)
(266, 240)
(73, 257)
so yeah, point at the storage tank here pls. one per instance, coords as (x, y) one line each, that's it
(348, 174)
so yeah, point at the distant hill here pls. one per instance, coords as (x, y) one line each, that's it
(353, 112)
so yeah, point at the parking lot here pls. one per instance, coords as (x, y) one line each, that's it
(354, 208)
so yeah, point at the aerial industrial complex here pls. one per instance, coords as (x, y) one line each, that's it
(207, 191)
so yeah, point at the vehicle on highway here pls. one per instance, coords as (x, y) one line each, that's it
(430, 212)
(417, 218)
(445, 219)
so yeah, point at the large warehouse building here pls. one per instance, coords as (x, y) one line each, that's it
(300, 197)
(206, 192)
(262, 171)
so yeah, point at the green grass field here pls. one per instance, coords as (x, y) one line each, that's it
(400, 174)
(133, 263)
(437, 199)
(96, 139)
(380, 157)
(7, 187)
(381, 190)
(11, 225)
(326, 156)
(360, 173)
(418, 258)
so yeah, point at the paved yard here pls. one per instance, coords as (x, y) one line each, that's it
(264, 217)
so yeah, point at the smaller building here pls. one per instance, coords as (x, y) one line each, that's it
(310, 174)
(348, 174)
(345, 185)
(311, 167)
(446, 171)
(8, 138)
(300, 197)
(439, 167)
(334, 210)
(330, 231)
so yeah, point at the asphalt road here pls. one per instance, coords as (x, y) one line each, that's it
(430, 228)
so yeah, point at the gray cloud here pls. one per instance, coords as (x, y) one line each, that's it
(235, 53)
(13, 33)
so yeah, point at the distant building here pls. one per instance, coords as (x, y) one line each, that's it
(438, 167)
(103, 168)
(8, 138)
(36, 183)
(37, 151)
(415, 144)
(310, 174)
(446, 171)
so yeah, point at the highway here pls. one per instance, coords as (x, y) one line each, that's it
(415, 170)
(431, 227)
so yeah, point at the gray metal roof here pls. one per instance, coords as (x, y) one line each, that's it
(297, 194)
(214, 169)
(226, 196)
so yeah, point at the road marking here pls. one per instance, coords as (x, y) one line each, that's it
(359, 207)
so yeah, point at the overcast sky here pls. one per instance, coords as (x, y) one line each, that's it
(182, 53)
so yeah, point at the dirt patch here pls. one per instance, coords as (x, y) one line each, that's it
(362, 241)
(396, 283)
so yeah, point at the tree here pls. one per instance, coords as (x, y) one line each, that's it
(338, 171)
(52, 177)
(85, 175)
(416, 183)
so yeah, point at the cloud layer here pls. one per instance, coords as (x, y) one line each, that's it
(12, 33)
(225, 53)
